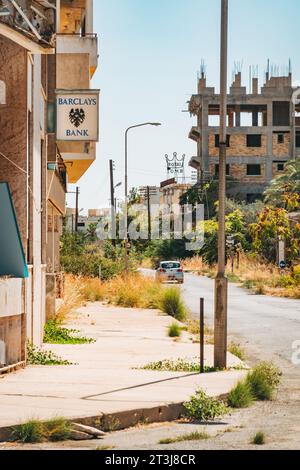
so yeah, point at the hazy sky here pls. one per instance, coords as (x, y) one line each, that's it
(150, 52)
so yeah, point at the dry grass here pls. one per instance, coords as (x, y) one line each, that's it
(133, 291)
(256, 275)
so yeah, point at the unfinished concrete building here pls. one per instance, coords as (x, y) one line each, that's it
(263, 133)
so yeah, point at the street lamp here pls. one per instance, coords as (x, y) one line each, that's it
(156, 124)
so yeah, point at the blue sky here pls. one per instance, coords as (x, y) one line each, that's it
(150, 52)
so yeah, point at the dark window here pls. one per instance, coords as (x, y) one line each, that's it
(281, 113)
(253, 170)
(281, 138)
(217, 141)
(298, 140)
(217, 170)
(254, 140)
(81, 224)
(280, 166)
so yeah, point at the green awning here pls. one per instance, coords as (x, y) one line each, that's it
(12, 258)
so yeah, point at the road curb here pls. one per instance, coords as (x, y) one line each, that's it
(121, 420)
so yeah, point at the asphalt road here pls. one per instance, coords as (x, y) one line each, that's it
(269, 325)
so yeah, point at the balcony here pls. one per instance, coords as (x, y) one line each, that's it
(80, 45)
(77, 157)
(195, 134)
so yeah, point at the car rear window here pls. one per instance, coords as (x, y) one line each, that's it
(170, 265)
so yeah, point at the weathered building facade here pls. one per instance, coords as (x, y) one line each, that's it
(32, 163)
(262, 133)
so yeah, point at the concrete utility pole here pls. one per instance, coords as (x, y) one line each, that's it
(221, 282)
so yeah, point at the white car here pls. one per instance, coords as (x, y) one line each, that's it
(170, 271)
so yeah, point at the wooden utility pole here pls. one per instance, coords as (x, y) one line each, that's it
(221, 282)
(149, 213)
(77, 210)
(112, 202)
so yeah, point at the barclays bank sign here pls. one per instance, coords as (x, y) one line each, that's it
(77, 115)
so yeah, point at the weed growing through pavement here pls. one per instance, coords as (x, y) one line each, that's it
(35, 431)
(240, 396)
(201, 407)
(56, 334)
(259, 439)
(194, 436)
(39, 357)
(261, 383)
(237, 350)
(179, 365)
(174, 330)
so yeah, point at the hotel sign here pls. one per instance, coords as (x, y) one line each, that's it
(77, 115)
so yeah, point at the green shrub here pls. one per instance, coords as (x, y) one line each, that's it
(174, 331)
(237, 351)
(240, 396)
(38, 357)
(57, 429)
(55, 334)
(172, 304)
(35, 431)
(179, 365)
(259, 439)
(201, 407)
(193, 436)
(264, 380)
(30, 432)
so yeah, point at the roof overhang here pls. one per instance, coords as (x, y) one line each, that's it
(24, 41)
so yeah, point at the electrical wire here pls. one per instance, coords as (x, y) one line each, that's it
(39, 211)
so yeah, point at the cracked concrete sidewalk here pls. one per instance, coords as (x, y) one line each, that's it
(106, 379)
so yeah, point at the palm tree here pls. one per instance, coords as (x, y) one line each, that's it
(284, 190)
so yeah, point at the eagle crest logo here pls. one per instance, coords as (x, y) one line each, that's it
(77, 116)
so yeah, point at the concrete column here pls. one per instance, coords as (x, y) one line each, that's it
(58, 16)
(269, 162)
(205, 138)
(89, 17)
(238, 116)
(38, 309)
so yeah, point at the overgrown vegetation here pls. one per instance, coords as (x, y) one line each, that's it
(172, 304)
(82, 255)
(193, 436)
(260, 384)
(264, 380)
(35, 431)
(174, 331)
(201, 407)
(259, 439)
(132, 291)
(55, 334)
(40, 357)
(237, 350)
(179, 365)
(240, 396)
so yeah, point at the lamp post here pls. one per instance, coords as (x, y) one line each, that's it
(126, 185)
(221, 282)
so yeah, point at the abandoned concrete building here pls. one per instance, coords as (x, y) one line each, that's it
(48, 55)
(263, 133)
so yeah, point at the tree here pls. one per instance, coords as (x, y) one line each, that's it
(272, 225)
(284, 190)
